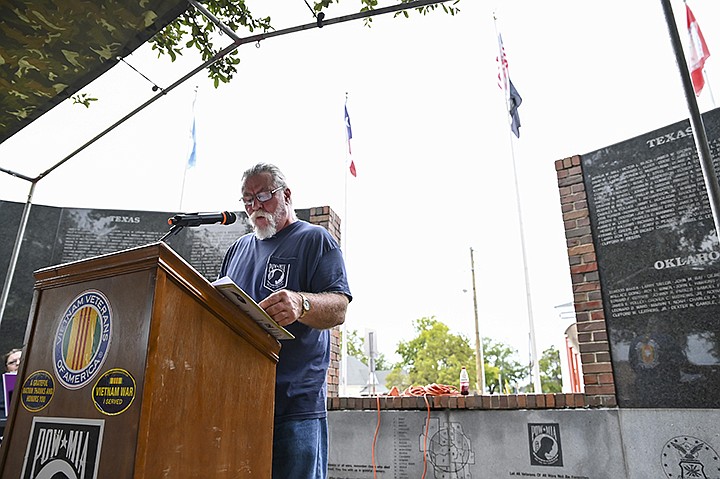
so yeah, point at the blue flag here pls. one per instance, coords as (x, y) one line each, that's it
(192, 158)
(513, 103)
(193, 153)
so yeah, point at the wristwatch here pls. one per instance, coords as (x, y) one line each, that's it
(305, 305)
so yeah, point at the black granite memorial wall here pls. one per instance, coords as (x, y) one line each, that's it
(56, 235)
(659, 265)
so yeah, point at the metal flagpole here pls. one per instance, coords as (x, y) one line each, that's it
(707, 84)
(344, 241)
(479, 359)
(534, 364)
(698, 128)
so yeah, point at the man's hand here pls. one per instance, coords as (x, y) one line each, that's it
(284, 306)
(327, 310)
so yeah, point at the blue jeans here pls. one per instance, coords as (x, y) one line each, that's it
(300, 449)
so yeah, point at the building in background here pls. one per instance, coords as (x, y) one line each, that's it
(570, 361)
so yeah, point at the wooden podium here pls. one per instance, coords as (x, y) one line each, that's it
(136, 367)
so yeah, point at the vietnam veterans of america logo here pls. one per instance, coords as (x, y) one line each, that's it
(67, 448)
(82, 339)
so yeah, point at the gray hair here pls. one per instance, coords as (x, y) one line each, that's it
(278, 178)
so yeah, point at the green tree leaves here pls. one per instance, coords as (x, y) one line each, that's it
(201, 34)
(550, 371)
(435, 355)
(194, 30)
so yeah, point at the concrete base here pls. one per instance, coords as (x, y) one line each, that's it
(566, 443)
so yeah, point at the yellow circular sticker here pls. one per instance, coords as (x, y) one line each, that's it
(114, 392)
(37, 391)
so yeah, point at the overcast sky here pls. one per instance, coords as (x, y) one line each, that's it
(431, 144)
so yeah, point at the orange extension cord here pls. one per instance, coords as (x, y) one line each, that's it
(424, 391)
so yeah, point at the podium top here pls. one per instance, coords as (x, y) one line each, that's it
(131, 259)
(159, 256)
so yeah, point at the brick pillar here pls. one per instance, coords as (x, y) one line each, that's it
(592, 331)
(326, 217)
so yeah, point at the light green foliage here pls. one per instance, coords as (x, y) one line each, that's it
(356, 348)
(83, 99)
(503, 372)
(550, 371)
(200, 33)
(434, 356)
(355, 345)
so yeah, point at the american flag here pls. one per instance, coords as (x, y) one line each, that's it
(511, 94)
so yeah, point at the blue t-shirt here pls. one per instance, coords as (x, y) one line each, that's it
(300, 257)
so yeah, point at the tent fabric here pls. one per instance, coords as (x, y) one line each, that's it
(51, 49)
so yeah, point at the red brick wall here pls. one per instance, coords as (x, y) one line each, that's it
(326, 217)
(592, 332)
(495, 401)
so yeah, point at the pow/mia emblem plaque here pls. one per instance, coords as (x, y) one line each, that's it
(690, 457)
(63, 447)
(82, 339)
(545, 446)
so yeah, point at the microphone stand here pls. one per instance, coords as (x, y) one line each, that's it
(173, 231)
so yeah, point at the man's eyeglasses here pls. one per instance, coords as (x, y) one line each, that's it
(262, 197)
(13, 362)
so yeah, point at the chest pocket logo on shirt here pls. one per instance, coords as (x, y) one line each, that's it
(276, 276)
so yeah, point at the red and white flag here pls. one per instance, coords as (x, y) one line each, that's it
(698, 52)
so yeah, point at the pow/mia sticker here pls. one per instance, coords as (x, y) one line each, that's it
(37, 391)
(114, 392)
(82, 339)
(63, 447)
(545, 446)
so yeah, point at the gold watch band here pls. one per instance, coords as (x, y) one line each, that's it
(304, 304)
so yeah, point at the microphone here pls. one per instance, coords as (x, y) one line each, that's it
(197, 219)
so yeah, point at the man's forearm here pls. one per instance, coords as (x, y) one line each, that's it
(327, 310)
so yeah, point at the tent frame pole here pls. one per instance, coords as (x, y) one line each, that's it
(219, 55)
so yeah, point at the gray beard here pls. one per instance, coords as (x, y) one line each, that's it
(267, 232)
(271, 229)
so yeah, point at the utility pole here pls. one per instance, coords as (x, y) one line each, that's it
(479, 362)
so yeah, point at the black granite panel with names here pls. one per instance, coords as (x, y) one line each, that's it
(659, 266)
(36, 250)
(56, 235)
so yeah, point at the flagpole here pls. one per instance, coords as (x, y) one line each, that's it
(707, 84)
(534, 366)
(479, 359)
(344, 222)
(696, 122)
